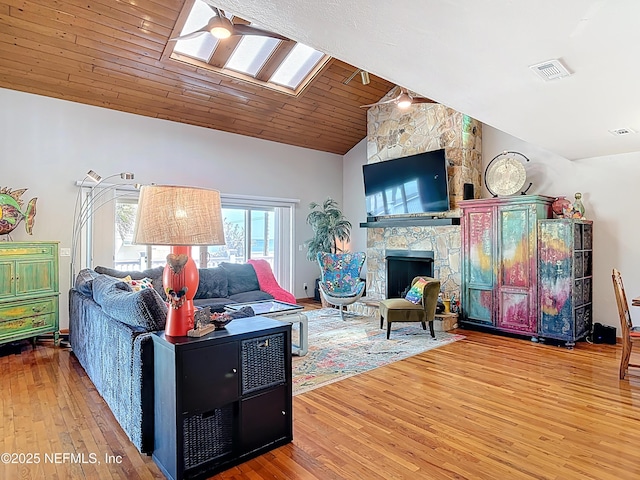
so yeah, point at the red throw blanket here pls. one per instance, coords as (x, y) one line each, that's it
(268, 282)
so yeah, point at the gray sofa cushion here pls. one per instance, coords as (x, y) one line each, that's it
(143, 308)
(213, 283)
(155, 274)
(241, 277)
(214, 303)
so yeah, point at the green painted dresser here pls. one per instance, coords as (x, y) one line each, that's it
(29, 296)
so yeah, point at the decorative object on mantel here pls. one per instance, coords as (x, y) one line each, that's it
(455, 308)
(505, 174)
(11, 213)
(578, 207)
(561, 207)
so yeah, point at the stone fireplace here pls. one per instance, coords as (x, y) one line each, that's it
(440, 242)
(393, 133)
(402, 266)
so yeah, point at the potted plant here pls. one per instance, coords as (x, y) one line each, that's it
(330, 229)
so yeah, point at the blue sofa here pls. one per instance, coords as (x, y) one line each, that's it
(219, 286)
(111, 328)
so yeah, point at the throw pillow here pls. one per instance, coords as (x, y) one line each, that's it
(155, 274)
(213, 283)
(241, 277)
(137, 285)
(143, 308)
(414, 295)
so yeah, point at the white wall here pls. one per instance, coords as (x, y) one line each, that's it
(354, 206)
(46, 145)
(609, 187)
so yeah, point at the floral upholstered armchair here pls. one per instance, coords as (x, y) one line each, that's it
(340, 283)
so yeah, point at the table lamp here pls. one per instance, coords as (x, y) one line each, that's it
(180, 217)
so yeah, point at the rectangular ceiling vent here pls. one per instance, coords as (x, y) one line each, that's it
(618, 132)
(550, 70)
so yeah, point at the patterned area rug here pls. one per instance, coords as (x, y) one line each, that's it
(339, 349)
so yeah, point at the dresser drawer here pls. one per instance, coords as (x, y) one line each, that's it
(21, 250)
(17, 310)
(26, 325)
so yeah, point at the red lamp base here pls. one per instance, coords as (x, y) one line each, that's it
(180, 279)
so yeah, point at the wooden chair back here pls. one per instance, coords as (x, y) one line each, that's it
(625, 324)
(623, 305)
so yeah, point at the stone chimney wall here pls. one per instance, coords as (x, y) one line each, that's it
(394, 133)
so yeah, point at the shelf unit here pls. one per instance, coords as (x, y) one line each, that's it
(222, 398)
(565, 279)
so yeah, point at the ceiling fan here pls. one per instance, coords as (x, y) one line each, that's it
(403, 100)
(221, 27)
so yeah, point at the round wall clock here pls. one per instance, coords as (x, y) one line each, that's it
(505, 174)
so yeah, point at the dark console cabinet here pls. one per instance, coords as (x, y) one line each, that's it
(223, 398)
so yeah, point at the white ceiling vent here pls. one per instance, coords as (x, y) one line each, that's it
(550, 70)
(618, 132)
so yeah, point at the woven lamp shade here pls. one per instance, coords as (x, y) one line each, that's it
(175, 215)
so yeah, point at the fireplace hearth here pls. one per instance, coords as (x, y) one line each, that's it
(402, 266)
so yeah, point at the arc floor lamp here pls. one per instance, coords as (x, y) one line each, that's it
(87, 203)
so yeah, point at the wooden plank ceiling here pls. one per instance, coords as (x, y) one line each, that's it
(109, 54)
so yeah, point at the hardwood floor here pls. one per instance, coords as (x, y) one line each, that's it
(487, 407)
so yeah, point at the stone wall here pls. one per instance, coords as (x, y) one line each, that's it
(444, 241)
(393, 133)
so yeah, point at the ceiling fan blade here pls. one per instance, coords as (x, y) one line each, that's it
(189, 36)
(239, 29)
(215, 9)
(422, 100)
(393, 100)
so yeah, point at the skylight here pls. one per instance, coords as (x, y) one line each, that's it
(251, 53)
(282, 65)
(296, 66)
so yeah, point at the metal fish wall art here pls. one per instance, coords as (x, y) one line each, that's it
(11, 213)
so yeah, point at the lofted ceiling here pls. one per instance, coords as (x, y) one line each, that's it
(471, 56)
(110, 54)
(475, 56)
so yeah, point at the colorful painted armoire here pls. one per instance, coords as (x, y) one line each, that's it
(28, 290)
(565, 259)
(500, 262)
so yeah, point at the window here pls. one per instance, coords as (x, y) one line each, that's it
(254, 228)
(281, 65)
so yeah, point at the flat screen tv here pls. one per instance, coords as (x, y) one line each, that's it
(407, 185)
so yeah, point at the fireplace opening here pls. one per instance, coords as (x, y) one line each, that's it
(403, 266)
